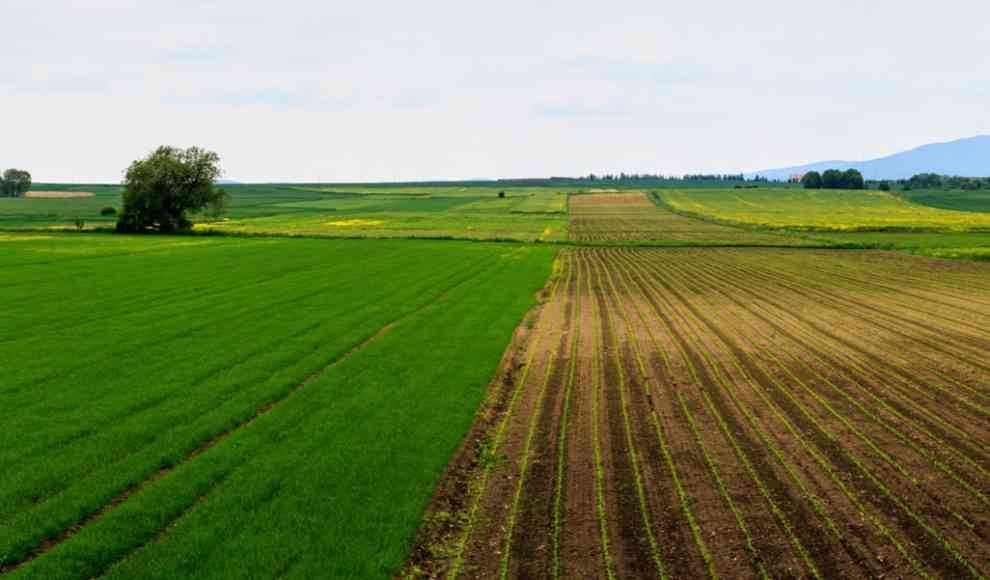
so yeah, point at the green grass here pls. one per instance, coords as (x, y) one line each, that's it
(465, 212)
(23, 212)
(850, 219)
(124, 355)
(432, 212)
(957, 200)
(971, 245)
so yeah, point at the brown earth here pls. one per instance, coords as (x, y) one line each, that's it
(633, 216)
(58, 194)
(683, 413)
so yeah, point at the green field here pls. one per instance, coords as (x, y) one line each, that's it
(821, 210)
(968, 245)
(457, 211)
(949, 224)
(864, 219)
(439, 212)
(32, 213)
(949, 199)
(281, 407)
(219, 406)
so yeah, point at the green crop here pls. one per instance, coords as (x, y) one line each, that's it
(293, 401)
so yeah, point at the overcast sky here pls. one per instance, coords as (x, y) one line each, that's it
(371, 90)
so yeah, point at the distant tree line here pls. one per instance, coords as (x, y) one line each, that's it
(633, 177)
(629, 179)
(936, 181)
(15, 183)
(834, 179)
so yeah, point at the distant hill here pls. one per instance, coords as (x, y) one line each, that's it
(964, 157)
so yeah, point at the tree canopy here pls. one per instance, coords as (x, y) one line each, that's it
(161, 189)
(812, 180)
(853, 179)
(834, 179)
(14, 183)
(936, 181)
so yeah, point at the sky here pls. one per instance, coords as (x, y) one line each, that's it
(440, 89)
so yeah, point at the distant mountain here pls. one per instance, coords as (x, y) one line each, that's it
(965, 157)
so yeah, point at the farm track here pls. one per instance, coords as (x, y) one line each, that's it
(743, 413)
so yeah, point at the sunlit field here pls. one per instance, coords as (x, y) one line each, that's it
(829, 210)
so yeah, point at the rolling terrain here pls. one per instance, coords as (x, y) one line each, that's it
(967, 157)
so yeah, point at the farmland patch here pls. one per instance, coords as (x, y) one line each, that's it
(684, 413)
(172, 418)
(633, 216)
(822, 210)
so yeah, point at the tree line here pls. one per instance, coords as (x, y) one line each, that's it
(936, 181)
(14, 183)
(834, 179)
(634, 177)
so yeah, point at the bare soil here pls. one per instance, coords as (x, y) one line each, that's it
(632, 216)
(732, 412)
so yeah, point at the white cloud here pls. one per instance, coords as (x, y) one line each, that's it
(376, 90)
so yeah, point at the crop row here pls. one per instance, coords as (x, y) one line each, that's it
(830, 410)
(703, 394)
(191, 465)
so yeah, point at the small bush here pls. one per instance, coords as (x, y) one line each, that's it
(108, 211)
(79, 223)
(501, 195)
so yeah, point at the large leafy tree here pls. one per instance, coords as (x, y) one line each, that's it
(832, 179)
(838, 179)
(15, 182)
(163, 188)
(853, 179)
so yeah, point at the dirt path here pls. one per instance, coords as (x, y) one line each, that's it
(718, 413)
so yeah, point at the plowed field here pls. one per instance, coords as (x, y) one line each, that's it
(733, 413)
(632, 216)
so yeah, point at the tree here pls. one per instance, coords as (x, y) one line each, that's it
(853, 179)
(884, 186)
(812, 180)
(926, 181)
(832, 179)
(161, 189)
(15, 182)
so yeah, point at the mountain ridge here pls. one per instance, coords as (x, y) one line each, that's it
(968, 157)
